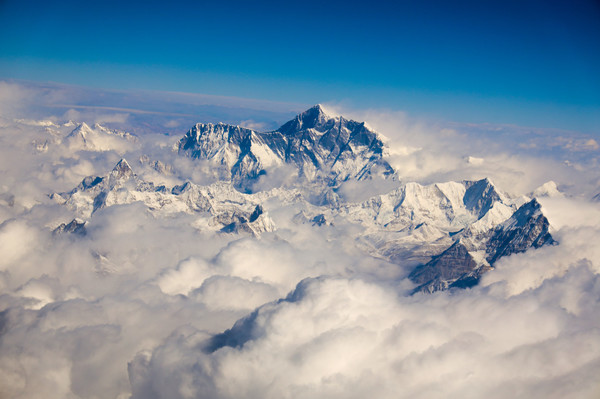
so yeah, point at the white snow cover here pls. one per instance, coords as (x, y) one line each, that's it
(156, 304)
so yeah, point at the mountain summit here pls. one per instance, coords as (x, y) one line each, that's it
(320, 147)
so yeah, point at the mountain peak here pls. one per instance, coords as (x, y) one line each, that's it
(81, 130)
(311, 118)
(83, 126)
(480, 196)
(321, 110)
(526, 228)
(122, 165)
(122, 170)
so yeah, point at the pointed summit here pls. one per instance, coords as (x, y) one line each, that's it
(313, 118)
(121, 171)
(82, 131)
(83, 126)
(526, 228)
(122, 165)
(321, 111)
(480, 196)
(332, 147)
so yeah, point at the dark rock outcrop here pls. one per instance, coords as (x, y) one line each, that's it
(456, 268)
(76, 227)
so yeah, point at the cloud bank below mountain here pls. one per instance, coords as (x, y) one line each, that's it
(145, 306)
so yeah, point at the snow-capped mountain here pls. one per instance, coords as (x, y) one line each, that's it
(466, 226)
(448, 233)
(414, 222)
(98, 138)
(76, 226)
(319, 146)
(219, 206)
(237, 154)
(70, 137)
(333, 148)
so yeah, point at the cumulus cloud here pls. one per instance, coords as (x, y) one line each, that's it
(347, 338)
(147, 306)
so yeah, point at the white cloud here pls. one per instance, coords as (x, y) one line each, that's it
(188, 275)
(234, 293)
(348, 338)
(16, 240)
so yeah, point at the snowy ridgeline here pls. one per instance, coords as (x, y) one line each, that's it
(450, 232)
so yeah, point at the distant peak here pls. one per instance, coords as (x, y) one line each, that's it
(314, 110)
(314, 116)
(82, 130)
(122, 166)
(321, 110)
(121, 172)
(81, 127)
(327, 111)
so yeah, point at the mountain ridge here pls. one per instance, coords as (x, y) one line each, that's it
(450, 233)
(319, 146)
(463, 227)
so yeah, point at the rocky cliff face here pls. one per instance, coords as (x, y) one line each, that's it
(527, 228)
(463, 263)
(237, 154)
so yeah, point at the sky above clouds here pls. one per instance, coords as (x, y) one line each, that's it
(531, 63)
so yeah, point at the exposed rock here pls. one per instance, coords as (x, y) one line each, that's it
(527, 228)
(453, 267)
(76, 227)
(456, 266)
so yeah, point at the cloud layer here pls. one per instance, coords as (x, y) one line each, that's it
(145, 306)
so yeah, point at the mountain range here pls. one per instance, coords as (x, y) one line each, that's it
(449, 234)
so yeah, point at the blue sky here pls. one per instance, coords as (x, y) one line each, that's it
(523, 62)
